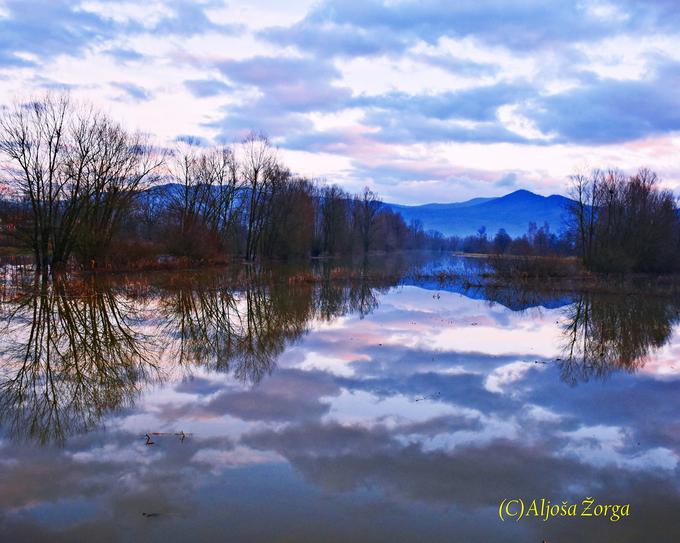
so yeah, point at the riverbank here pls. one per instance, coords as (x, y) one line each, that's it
(466, 271)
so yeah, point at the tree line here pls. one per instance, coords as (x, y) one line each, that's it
(624, 223)
(537, 241)
(83, 188)
(615, 223)
(79, 187)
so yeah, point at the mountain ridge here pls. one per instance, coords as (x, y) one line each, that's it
(513, 212)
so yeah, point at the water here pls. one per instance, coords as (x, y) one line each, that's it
(333, 403)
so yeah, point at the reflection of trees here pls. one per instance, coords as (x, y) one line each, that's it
(362, 298)
(615, 332)
(342, 291)
(72, 349)
(243, 329)
(71, 355)
(244, 325)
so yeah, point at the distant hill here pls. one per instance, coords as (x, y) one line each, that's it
(513, 212)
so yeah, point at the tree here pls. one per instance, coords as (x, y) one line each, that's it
(112, 166)
(501, 241)
(585, 192)
(334, 219)
(206, 207)
(260, 171)
(366, 208)
(77, 171)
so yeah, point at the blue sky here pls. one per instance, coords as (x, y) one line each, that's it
(422, 101)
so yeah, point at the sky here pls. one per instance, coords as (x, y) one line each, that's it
(422, 101)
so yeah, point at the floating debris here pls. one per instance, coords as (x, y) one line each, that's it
(181, 434)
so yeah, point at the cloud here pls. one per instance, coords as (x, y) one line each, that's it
(189, 18)
(288, 89)
(378, 84)
(607, 110)
(343, 27)
(334, 40)
(47, 28)
(476, 104)
(204, 88)
(508, 181)
(124, 55)
(133, 91)
(197, 141)
(458, 66)
(291, 84)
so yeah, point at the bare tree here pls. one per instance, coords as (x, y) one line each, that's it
(112, 166)
(334, 219)
(625, 223)
(259, 170)
(77, 170)
(207, 203)
(366, 208)
(32, 137)
(585, 193)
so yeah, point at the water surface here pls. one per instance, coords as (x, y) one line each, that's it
(332, 403)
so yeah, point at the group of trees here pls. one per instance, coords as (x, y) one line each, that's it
(76, 172)
(625, 223)
(242, 200)
(86, 188)
(538, 241)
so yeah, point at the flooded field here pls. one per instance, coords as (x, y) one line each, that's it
(333, 403)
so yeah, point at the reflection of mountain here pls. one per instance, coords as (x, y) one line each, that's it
(605, 333)
(513, 212)
(514, 297)
(469, 276)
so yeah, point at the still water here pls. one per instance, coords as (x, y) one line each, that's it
(333, 403)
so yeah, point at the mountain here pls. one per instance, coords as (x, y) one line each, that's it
(513, 212)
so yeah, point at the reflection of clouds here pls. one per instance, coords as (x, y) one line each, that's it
(343, 458)
(287, 396)
(601, 445)
(666, 362)
(239, 456)
(444, 325)
(501, 378)
(356, 424)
